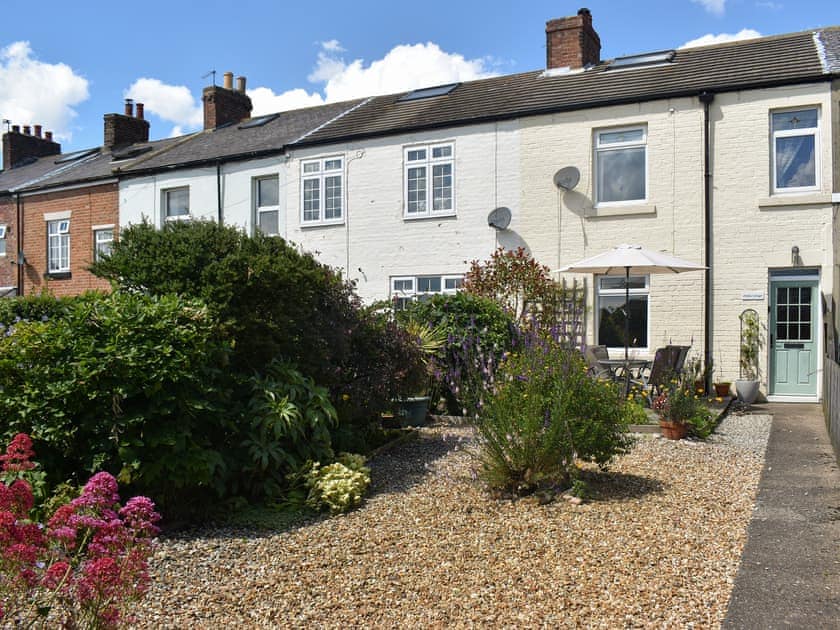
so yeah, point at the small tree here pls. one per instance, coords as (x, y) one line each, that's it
(513, 279)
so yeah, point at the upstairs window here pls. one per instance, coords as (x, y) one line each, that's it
(322, 191)
(103, 240)
(58, 246)
(3, 230)
(429, 180)
(267, 202)
(621, 165)
(176, 204)
(795, 150)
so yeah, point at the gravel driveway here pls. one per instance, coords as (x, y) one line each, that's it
(658, 546)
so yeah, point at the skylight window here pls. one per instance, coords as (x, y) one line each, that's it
(440, 90)
(78, 155)
(131, 152)
(646, 59)
(259, 121)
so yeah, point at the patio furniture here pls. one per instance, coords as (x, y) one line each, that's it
(679, 354)
(660, 371)
(594, 355)
(617, 367)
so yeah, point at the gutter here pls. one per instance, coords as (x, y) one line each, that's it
(706, 98)
(219, 191)
(21, 259)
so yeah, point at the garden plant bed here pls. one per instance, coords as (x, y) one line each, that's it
(718, 406)
(658, 545)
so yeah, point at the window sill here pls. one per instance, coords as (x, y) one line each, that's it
(427, 217)
(58, 275)
(319, 224)
(618, 211)
(800, 199)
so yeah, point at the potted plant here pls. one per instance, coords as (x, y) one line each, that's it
(721, 386)
(675, 406)
(413, 410)
(751, 344)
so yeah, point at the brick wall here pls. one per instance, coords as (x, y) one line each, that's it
(95, 205)
(572, 42)
(8, 216)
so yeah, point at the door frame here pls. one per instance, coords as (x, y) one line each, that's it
(798, 274)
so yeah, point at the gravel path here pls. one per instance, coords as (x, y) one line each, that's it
(658, 546)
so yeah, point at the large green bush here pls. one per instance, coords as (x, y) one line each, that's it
(125, 383)
(545, 413)
(275, 303)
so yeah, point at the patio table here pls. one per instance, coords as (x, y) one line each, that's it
(633, 365)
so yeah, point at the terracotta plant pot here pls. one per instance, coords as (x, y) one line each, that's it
(722, 389)
(673, 430)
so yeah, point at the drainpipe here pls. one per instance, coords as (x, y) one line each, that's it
(219, 191)
(21, 260)
(706, 98)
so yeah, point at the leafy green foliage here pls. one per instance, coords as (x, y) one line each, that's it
(122, 382)
(288, 421)
(338, 487)
(544, 414)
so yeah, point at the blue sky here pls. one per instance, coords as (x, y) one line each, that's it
(65, 64)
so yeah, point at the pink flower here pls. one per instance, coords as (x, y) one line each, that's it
(18, 454)
(99, 492)
(140, 516)
(100, 580)
(57, 574)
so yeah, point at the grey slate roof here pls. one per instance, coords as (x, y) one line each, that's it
(227, 142)
(777, 60)
(763, 62)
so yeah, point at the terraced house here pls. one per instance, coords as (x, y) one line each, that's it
(726, 155)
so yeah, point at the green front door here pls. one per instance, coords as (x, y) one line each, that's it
(793, 337)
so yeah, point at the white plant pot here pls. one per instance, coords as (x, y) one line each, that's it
(747, 391)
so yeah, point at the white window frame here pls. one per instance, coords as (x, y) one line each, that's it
(404, 295)
(98, 231)
(164, 202)
(320, 177)
(793, 133)
(600, 149)
(428, 163)
(258, 209)
(4, 230)
(620, 292)
(62, 237)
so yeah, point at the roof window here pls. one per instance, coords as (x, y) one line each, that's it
(439, 90)
(259, 121)
(78, 155)
(646, 59)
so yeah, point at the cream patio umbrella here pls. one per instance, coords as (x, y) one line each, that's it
(619, 261)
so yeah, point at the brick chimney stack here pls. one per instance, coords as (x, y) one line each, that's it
(126, 128)
(19, 148)
(571, 42)
(224, 105)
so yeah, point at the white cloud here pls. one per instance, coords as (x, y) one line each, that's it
(172, 103)
(705, 40)
(715, 7)
(404, 67)
(34, 92)
(265, 101)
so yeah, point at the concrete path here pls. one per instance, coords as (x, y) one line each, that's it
(789, 575)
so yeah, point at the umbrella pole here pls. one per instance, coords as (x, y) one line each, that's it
(626, 331)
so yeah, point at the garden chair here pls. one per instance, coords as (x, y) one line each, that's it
(678, 354)
(594, 355)
(661, 370)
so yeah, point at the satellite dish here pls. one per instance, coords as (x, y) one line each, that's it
(499, 218)
(567, 178)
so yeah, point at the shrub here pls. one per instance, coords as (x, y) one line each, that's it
(125, 383)
(288, 421)
(339, 486)
(85, 566)
(545, 413)
(478, 332)
(274, 303)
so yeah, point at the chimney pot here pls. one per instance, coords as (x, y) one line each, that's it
(48, 136)
(228, 81)
(15, 128)
(240, 85)
(38, 131)
(129, 107)
(140, 111)
(19, 148)
(27, 130)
